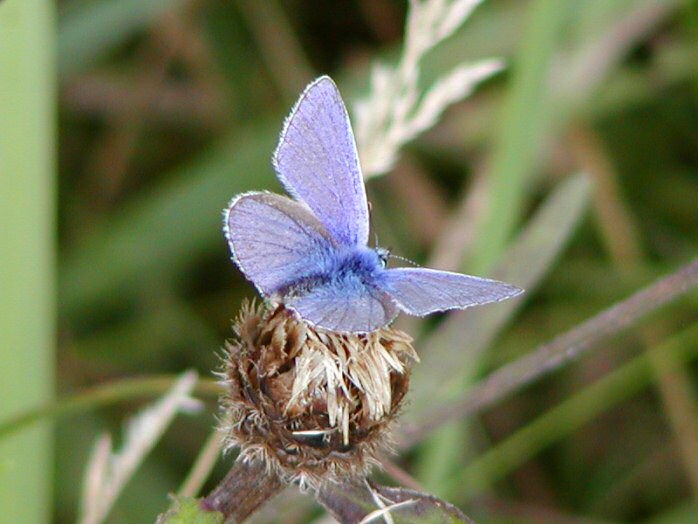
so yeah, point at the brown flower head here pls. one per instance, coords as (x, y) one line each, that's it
(311, 404)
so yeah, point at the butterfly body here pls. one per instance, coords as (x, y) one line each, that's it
(311, 251)
(348, 269)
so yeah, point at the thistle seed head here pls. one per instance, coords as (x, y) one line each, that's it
(311, 404)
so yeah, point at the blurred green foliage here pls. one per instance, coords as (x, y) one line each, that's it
(167, 108)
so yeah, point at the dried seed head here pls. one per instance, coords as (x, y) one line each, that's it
(310, 403)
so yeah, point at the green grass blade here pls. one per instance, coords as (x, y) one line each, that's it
(26, 263)
(163, 230)
(449, 355)
(522, 127)
(89, 30)
(572, 413)
(453, 354)
(99, 397)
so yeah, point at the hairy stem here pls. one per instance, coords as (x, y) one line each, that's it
(243, 490)
(561, 350)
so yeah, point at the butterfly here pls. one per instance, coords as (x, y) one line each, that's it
(310, 252)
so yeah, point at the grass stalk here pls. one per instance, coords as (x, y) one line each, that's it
(523, 125)
(208, 456)
(562, 350)
(101, 396)
(622, 238)
(26, 264)
(576, 411)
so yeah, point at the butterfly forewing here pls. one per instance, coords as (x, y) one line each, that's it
(420, 291)
(317, 162)
(274, 240)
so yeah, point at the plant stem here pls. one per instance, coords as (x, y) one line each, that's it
(243, 490)
(27, 208)
(575, 411)
(561, 350)
(524, 122)
(208, 456)
(98, 396)
(622, 238)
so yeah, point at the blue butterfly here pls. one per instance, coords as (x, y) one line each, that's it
(311, 252)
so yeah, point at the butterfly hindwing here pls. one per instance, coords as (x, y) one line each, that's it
(275, 240)
(317, 162)
(357, 308)
(420, 291)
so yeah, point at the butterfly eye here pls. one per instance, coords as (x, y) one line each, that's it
(383, 255)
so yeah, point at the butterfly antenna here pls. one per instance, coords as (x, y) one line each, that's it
(404, 259)
(373, 228)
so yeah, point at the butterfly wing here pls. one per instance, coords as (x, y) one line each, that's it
(317, 162)
(274, 240)
(420, 291)
(355, 308)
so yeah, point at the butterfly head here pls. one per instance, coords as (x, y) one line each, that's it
(383, 255)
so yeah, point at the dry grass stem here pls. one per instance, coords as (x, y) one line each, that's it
(205, 461)
(622, 239)
(563, 349)
(108, 472)
(397, 109)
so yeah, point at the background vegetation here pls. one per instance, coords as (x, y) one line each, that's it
(585, 148)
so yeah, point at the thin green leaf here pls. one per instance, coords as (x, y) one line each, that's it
(89, 30)
(187, 510)
(571, 414)
(100, 396)
(539, 102)
(524, 123)
(160, 232)
(525, 264)
(449, 355)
